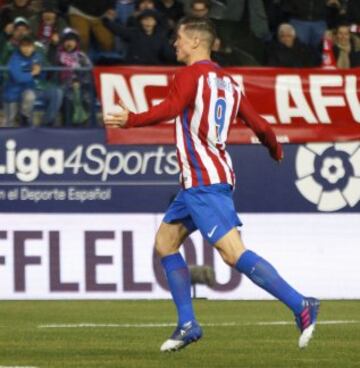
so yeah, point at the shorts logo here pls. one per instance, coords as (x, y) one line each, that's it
(211, 233)
(329, 174)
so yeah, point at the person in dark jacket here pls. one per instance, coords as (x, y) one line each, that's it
(287, 51)
(172, 10)
(85, 17)
(147, 42)
(25, 83)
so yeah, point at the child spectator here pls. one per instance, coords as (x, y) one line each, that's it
(25, 83)
(76, 85)
(47, 27)
(147, 42)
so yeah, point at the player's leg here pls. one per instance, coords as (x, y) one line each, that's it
(167, 243)
(263, 274)
(177, 225)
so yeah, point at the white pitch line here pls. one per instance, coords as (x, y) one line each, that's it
(16, 366)
(160, 325)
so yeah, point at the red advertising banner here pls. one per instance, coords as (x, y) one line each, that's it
(302, 105)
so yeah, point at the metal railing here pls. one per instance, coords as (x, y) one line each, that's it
(53, 77)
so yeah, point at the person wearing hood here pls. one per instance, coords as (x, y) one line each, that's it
(26, 82)
(147, 42)
(76, 85)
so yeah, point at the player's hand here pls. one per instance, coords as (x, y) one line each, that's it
(117, 119)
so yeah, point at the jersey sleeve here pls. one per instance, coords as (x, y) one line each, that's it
(181, 94)
(260, 127)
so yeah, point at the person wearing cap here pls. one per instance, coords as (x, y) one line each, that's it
(26, 82)
(15, 9)
(21, 28)
(147, 41)
(47, 26)
(76, 85)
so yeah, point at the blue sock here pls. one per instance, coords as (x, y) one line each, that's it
(178, 277)
(263, 274)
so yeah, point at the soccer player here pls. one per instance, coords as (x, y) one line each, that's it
(205, 100)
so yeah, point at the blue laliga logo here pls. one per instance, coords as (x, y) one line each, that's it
(329, 174)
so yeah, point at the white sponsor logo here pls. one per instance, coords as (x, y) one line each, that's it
(329, 174)
(27, 164)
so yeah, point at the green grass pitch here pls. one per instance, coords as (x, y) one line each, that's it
(26, 340)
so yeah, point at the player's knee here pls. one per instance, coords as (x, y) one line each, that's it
(164, 245)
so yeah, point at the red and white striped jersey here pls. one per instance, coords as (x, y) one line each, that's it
(202, 128)
(205, 101)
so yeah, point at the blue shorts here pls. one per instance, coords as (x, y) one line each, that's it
(209, 208)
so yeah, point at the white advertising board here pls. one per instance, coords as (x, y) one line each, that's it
(108, 256)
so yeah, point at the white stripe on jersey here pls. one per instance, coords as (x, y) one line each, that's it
(230, 100)
(186, 172)
(212, 137)
(212, 134)
(195, 126)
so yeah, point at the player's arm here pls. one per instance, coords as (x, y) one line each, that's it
(260, 127)
(181, 93)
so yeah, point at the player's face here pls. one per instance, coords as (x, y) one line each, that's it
(183, 45)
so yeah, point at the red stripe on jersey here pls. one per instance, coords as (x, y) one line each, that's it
(204, 174)
(194, 177)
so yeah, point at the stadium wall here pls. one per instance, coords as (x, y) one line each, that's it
(78, 217)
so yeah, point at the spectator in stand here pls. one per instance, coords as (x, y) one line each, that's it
(21, 28)
(147, 42)
(200, 8)
(346, 47)
(47, 27)
(287, 51)
(172, 10)
(15, 9)
(25, 83)
(86, 18)
(309, 17)
(76, 84)
(140, 6)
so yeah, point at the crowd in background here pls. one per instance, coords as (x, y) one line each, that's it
(77, 34)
